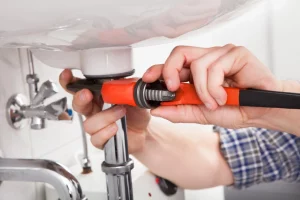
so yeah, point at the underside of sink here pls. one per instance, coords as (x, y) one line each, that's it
(75, 25)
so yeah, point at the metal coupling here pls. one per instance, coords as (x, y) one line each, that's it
(116, 169)
(150, 95)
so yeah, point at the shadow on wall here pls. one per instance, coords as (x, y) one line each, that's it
(271, 191)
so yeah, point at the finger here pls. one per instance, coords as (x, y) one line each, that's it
(226, 64)
(199, 69)
(185, 75)
(100, 138)
(103, 119)
(83, 103)
(180, 114)
(65, 78)
(228, 83)
(180, 57)
(215, 85)
(155, 72)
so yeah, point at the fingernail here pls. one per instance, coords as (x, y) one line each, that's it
(82, 96)
(119, 110)
(155, 112)
(220, 102)
(169, 83)
(209, 106)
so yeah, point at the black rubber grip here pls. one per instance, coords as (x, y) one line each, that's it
(270, 99)
(93, 85)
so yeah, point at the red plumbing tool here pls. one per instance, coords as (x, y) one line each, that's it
(135, 92)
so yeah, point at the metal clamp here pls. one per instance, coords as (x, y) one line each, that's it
(117, 169)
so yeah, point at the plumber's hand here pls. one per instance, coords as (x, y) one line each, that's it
(210, 69)
(101, 124)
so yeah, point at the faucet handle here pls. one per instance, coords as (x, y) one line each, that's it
(67, 115)
(47, 89)
(58, 110)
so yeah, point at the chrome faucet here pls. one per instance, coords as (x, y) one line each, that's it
(52, 111)
(46, 171)
(19, 109)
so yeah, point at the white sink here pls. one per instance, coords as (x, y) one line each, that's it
(94, 187)
(71, 25)
(144, 183)
(96, 36)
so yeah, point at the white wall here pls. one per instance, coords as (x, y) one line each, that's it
(59, 141)
(13, 143)
(284, 53)
(286, 42)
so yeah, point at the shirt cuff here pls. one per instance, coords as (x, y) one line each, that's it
(241, 151)
(258, 155)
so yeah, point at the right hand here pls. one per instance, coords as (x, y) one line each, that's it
(210, 69)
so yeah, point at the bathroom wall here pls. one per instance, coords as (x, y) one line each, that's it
(285, 37)
(284, 53)
(13, 143)
(60, 140)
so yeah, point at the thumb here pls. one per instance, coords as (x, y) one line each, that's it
(177, 114)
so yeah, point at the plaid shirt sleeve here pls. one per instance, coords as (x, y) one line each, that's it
(258, 155)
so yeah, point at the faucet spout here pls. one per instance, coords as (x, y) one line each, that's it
(46, 171)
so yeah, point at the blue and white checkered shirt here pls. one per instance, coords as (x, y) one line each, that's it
(258, 155)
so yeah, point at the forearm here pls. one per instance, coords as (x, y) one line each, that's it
(189, 160)
(285, 120)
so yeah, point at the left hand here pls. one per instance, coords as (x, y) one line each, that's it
(101, 124)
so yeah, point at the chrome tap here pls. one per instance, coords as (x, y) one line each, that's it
(46, 90)
(46, 171)
(57, 110)
(19, 109)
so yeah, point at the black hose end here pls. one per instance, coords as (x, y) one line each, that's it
(166, 186)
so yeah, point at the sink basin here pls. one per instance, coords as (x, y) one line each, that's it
(69, 25)
(94, 187)
(97, 36)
